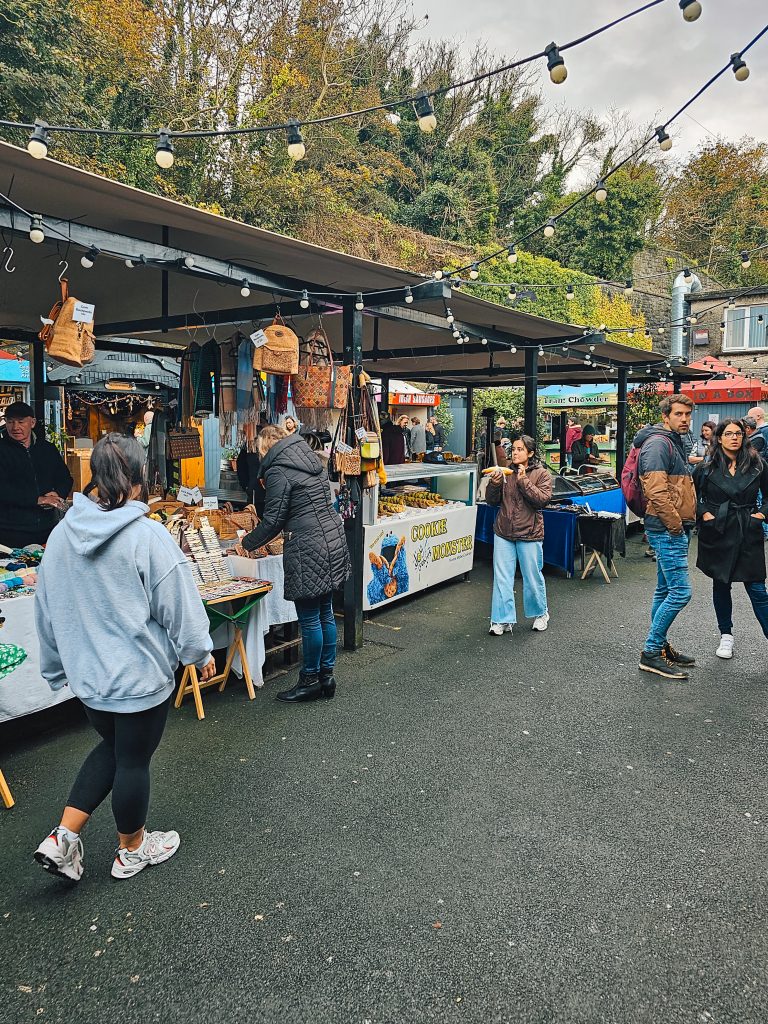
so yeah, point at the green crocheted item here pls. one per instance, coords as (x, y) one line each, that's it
(11, 657)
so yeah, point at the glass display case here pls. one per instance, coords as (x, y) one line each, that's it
(419, 529)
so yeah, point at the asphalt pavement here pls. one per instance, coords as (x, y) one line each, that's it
(516, 830)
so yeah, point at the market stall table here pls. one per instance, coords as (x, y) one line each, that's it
(25, 691)
(560, 533)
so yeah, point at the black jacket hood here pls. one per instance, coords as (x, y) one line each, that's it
(292, 452)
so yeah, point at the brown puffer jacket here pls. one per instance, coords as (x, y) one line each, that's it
(521, 498)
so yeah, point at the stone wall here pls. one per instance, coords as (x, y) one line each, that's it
(752, 363)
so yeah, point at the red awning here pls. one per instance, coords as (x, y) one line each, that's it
(729, 385)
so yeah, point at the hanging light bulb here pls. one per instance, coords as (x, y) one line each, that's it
(483, 341)
(601, 192)
(661, 330)
(630, 371)
(456, 332)
(189, 262)
(474, 272)
(408, 296)
(558, 72)
(694, 320)
(549, 228)
(449, 317)
(36, 233)
(39, 141)
(611, 369)
(359, 304)
(513, 349)
(732, 302)
(425, 113)
(687, 275)
(296, 148)
(460, 339)
(569, 293)
(722, 325)
(565, 348)
(512, 254)
(746, 262)
(691, 9)
(740, 69)
(130, 264)
(438, 275)
(591, 348)
(629, 287)
(245, 290)
(512, 293)
(665, 143)
(89, 258)
(304, 300)
(164, 150)
(541, 351)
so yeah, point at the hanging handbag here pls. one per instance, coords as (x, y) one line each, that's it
(345, 459)
(320, 384)
(184, 444)
(68, 340)
(280, 353)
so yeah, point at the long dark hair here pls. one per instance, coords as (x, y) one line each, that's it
(117, 466)
(530, 444)
(746, 457)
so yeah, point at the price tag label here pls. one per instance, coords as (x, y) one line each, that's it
(198, 494)
(210, 503)
(361, 434)
(83, 312)
(259, 338)
(187, 495)
(343, 448)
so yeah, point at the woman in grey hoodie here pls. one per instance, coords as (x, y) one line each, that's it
(116, 611)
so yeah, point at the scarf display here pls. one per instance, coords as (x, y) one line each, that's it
(228, 389)
(186, 397)
(205, 380)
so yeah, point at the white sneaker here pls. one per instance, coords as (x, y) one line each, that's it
(61, 855)
(155, 848)
(725, 650)
(499, 628)
(541, 622)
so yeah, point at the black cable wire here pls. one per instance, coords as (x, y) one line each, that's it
(389, 105)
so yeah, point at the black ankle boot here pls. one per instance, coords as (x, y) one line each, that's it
(307, 688)
(327, 683)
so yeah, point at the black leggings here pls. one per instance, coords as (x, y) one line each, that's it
(120, 763)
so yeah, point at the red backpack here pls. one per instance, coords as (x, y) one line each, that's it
(631, 486)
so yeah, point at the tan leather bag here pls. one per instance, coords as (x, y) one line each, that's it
(65, 339)
(281, 352)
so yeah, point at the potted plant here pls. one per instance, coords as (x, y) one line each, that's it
(229, 456)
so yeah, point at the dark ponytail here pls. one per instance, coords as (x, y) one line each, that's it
(117, 466)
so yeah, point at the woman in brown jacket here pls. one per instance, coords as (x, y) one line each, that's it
(519, 531)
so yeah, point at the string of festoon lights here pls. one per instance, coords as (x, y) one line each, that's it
(422, 102)
(600, 189)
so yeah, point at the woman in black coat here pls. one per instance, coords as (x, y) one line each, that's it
(315, 556)
(730, 520)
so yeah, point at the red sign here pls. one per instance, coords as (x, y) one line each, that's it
(417, 398)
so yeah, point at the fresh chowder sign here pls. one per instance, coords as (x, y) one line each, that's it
(411, 554)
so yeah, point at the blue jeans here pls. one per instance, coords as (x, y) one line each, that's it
(721, 598)
(506, 555)
(318, 633)
(673, 585)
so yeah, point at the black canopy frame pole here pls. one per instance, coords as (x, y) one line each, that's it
(531, 396)
(469, 435)
(353, 528)
(621, 421)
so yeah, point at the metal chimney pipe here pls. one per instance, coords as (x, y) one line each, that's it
(680, 310)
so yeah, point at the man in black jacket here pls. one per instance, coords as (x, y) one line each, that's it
(34, 480)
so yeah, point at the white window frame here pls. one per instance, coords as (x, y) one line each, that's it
(745, 313)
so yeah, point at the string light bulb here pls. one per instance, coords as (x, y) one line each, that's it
(359, 304)
(558, 72)
(304, 300)
(694, 321)
(189, 262)
(456, 332)
(512, 254)
(296, 148)
(459, 339)
(449, 317)
(601, 192)
(89, 258)
(513, 349)
(746, 262)
(541, 351)
(36, 233)
(39, 141)
(732, 302)
(662, 136)
(661, 330)
(164, 150)
(483, 341)
(740, 69)
(425, 113)
(408, 296)
(569, 293)
(474, 272)
(691, 9)
(438, 275)
(629, 287)
(130, 264)
(549, 228)
(512, 293)
(245, 290)
(687, 275)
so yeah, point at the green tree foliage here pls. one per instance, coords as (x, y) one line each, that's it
(642, 408)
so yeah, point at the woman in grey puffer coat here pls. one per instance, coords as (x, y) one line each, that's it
(315, 556)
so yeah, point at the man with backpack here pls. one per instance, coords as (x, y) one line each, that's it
(657, 467)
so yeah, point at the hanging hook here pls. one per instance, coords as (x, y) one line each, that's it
(65, 267)
(8, 268)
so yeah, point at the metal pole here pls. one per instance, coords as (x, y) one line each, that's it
(37, 382)
(470, 424)
(384, 403)
(352, 323)
(563, 438)
(531, 403)
(621, 422)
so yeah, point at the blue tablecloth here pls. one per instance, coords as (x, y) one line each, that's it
(559, 534)
(603, 501)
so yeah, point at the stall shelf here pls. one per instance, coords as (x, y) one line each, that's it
(413, 550)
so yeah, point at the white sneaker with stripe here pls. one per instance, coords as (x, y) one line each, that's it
(156, 847)
(60, 855)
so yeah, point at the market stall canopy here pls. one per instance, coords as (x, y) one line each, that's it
(114, 368)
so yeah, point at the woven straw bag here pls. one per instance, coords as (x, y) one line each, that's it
(281, 353)
(320, 384)
(67, 340)
(345, 462)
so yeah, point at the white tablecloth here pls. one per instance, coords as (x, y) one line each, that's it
(24, 690)
(272, 610)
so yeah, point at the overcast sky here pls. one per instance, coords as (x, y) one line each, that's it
(649, 65)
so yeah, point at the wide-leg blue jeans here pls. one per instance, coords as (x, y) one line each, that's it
(506, 555)
(673, 585)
